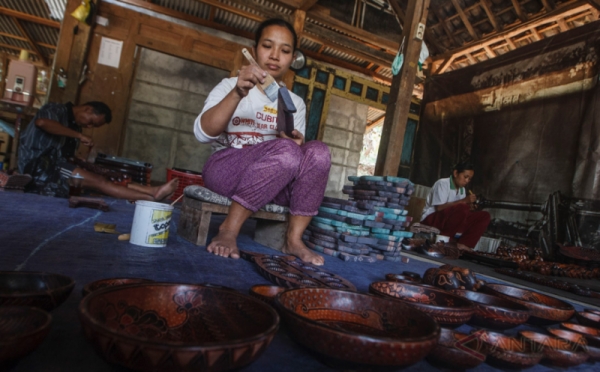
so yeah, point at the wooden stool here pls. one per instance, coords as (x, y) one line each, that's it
(194, 222)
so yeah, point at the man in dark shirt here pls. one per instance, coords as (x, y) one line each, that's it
(52, 137)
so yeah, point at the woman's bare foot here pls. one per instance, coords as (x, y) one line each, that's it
(298, 249)
(163, 192)
(224, 244)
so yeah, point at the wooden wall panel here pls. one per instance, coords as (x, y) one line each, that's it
(113, 85)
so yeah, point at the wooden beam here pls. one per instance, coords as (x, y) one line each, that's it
(535, 34)
(595, 3)
(563, 25)
(29, 17)
(487, 7)
(324, 41)
(31, 42)
(562, 11)
(519, 10)
(447, 30)
(307, 4)
(358, 33)
(346, 65)
(327, 36)
(398, 10)
(465, 20)
(16, 37)
(549, 5)
(444, 65)
(489, 51)
(403, 84)
(186, 17)
(264, 11)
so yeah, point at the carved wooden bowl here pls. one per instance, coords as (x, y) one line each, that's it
(466, 356)
(509, 352)
(593, 311)
(448, 309)
(111, 282)
(592, 335)
(177, 327)
(558, 352)
(543, 310)
(577, 339)
(22, 330)
(494, 312)
(588, 319)
(266, 293)
(37, 289)
(354, 330)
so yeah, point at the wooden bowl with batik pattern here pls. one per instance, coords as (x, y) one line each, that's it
(44, 290)
(557, 352)
(357, 331)
(266, 292)
(592, 335)
(543, 309)
(494, 312)
(22, 330)
(578, 339)
(508, 352)
(457, 350)
(448, 309)
(111, 282)
(177, 327)
(588, 319)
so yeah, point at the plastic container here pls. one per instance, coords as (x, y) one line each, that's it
(186, 178)
(151, 222)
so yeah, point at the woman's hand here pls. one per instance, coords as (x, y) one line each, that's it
(248, 77)
(470, 199)
(296, 137)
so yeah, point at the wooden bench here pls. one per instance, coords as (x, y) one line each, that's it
(199, 204)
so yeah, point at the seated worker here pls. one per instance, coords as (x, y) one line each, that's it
(253, 164)
(449, 208)
(52, 137)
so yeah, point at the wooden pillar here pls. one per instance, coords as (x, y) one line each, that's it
(73, 45)
(394, 126)
(298, 18)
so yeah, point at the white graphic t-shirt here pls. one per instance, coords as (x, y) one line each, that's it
(254, 120)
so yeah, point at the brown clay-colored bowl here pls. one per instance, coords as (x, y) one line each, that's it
(111, 282)
(578, 339)
(266, 293)
(494, 312)
(22, 330)
(558, 352)
(177, 327)
(543, 309)
(592, 335)
(446, 353)
(357, 330)
(37, 289)
(509, 352)
(588, 319)
(594, 311)
(448, 309)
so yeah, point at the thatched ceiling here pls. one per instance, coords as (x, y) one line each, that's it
(361, 35)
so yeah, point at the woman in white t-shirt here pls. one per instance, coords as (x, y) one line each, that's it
(451, 210)
(252, 163)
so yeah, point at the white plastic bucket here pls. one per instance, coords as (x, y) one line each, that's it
(151, 223)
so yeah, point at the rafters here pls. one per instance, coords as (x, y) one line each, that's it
(533, 30)
(31, 42)
(29, 17)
